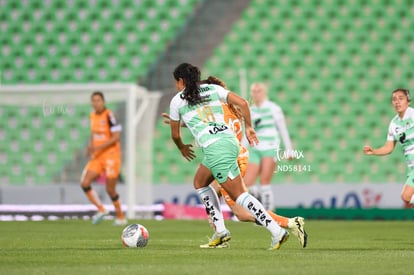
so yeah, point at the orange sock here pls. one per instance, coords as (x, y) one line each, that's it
(118, 209)
(282, 221)
(93, 198)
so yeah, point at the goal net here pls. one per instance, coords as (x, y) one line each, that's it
(45, 129)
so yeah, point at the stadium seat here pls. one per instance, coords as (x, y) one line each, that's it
(338, 55)
(72, 42)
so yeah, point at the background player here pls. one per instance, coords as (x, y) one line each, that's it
(105, 156)
(401, 129)
(269, 124)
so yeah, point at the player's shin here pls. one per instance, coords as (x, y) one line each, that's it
(210, 200)
(93, 198)
(118, 208)
(267, 198)
(282, 221)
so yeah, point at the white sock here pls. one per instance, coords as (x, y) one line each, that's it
(210, 200)
(412, 199)
(252, 205)
(254, 191)
(266, 194)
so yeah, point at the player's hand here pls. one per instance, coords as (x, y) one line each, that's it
(290, 156)
(251, 136)
(188, 152)
(368, 150)
(166, 117)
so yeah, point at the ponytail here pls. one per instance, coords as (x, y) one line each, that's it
(191, 77)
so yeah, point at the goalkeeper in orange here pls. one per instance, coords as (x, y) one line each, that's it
(105, 157)
(233, 119)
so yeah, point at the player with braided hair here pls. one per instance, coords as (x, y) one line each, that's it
(199, 107)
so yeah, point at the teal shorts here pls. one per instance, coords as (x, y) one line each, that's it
(410, 177)
(221, 159)
(255, 156)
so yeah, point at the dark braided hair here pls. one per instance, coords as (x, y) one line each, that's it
(214, 80)
(191, 77)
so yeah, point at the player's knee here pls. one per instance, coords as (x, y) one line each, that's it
(406, 197)
(85, 184)
(114, 197)
(86, 188)
(111, 191)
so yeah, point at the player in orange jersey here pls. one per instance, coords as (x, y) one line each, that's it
(105, 157)
(233, 119)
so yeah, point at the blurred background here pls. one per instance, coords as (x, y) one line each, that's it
(330, 65)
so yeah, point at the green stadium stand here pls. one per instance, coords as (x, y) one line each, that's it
(72, 42)
(331, 66)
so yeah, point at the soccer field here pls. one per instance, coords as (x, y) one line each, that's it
(77, 247)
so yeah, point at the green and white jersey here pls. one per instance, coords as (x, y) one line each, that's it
(402, 130)
(205, 121)
(269, 123)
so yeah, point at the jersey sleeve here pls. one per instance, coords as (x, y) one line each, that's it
(222, 93)
(174, 105)
(114, 126)
(390, 134)
(280, 122)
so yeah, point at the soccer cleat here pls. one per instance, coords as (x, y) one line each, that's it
(222, 245)
(298, 229)
(218, 240)
(120, 222)
(98, 217)
(277, 242)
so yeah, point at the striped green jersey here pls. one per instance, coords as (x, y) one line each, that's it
(269, 123)
(402, 130)
(205, 121)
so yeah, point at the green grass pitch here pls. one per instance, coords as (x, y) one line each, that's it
(78, 247)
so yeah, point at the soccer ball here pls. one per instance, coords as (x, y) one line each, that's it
(135, 235)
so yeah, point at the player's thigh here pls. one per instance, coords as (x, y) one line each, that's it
(203, 177)
(243, 163)
(112, 166)
(234, 187)
(252, 171)
(91, 172)
(253, 167)
(243, 160)
(267, 169)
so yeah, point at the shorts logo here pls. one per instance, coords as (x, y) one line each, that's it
(219, 176)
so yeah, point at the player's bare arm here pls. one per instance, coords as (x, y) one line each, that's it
(386, 149)
(167, 120)
(114, 138)
(232, 98)
(185, 149)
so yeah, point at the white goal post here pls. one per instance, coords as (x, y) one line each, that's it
(140, 115)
